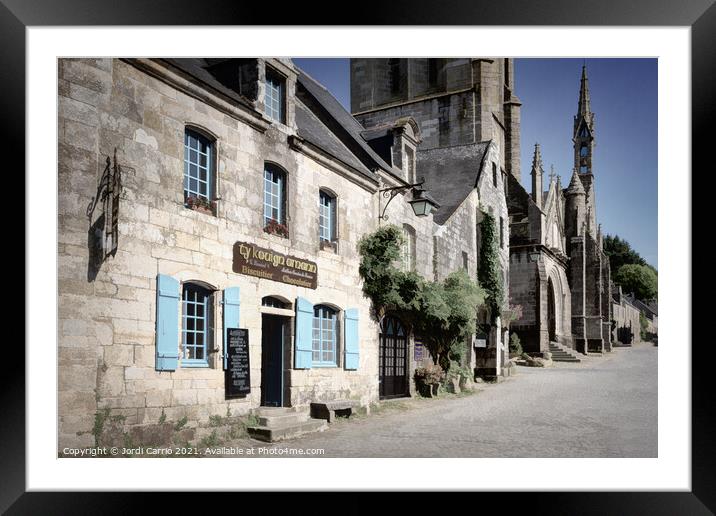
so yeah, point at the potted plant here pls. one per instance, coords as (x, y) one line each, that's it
(428, 379)
(201, 204)
(274, 227)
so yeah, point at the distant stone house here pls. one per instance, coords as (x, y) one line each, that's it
(625, 319)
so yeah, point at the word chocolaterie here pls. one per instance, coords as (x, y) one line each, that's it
(264, 263)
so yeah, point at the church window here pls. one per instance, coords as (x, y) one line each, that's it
(583, 151)
(394, 75)
(583, 132)
(583, 169)
(432, 72)
(494, 175)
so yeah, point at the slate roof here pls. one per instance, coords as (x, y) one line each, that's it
(198, 68)
(451, 173)
(334, 116)
(311, 129)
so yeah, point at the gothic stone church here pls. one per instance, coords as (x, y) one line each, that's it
(558, 270)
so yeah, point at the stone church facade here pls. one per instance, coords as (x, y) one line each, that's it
(560, 273)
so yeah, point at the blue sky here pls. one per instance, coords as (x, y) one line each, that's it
(624, 100)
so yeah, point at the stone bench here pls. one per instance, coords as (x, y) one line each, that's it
(328, 410)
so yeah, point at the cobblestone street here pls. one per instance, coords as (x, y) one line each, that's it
(603, 407)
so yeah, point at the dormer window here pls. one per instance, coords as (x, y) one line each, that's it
(275, 97)
(409, 164)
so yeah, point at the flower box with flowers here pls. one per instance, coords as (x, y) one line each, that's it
(201, 204)
(276, 228)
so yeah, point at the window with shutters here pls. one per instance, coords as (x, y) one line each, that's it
(197, 325)
(325, 329)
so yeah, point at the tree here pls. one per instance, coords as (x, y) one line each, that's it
(620, 253)
(443, 313)
(641, 280)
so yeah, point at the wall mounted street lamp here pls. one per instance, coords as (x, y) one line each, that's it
(422, 204)
(535, 256)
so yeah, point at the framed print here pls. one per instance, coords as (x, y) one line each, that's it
(381, 250)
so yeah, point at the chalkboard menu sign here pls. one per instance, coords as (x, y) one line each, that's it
(238, 380)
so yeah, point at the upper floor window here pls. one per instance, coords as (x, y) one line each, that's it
(198, 166)
(502, 233)
(197, 327)
(494, 175)
(408, 251)
(275, 96)
(274, 196)
(327, 217)
(464, 260)
(394, 76)
(324, 335)
(410, 164)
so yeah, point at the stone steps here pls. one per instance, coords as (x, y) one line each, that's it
(279, 423)
(560, 355)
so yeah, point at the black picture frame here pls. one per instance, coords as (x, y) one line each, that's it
(699, 15)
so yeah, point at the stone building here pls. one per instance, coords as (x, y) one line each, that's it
(454, 124)
(201, 195)
(625, 319)
(559, 272)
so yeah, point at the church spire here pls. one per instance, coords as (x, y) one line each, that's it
(537, 173)
(584, 109)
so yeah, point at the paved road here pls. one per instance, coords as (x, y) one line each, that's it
(603, 407)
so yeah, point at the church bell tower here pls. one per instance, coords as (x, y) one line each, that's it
(584, 144)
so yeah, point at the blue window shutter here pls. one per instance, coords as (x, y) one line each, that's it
(304, 334)
(350, 333)
(231, 317)
(167, 338)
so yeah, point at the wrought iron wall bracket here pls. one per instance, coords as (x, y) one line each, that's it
(391, 193)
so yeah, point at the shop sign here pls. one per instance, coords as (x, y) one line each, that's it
(264, 263)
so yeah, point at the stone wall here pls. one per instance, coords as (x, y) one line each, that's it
(106, 333)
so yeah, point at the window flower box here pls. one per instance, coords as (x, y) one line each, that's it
(327, 245)
(275, 228)
(201, 204)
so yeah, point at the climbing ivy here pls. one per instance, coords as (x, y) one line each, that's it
(442, 312)
(489, 271)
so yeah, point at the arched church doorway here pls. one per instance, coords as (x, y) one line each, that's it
(393, 358)
(551, 312)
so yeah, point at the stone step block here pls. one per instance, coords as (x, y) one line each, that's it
(286, 431)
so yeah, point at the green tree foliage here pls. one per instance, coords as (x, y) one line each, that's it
(446, 316)
(489, 272)
(442, 312)
(641, 280)
(620, 253)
